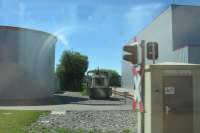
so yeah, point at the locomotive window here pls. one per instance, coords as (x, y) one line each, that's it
(99, 81)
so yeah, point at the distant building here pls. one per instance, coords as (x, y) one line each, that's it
(177, 31)
(26, 64)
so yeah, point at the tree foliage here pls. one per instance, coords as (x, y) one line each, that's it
(114, 77)
(71, 70)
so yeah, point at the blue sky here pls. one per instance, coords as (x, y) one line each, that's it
(96, 28)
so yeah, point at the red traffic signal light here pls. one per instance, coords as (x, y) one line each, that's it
(133, 53)
(152, 50)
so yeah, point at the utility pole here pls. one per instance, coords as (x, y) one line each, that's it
(142, 83)
(154, 53)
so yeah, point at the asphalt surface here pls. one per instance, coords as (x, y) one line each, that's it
(75, 101)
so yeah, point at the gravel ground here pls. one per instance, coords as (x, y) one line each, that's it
(104, 121)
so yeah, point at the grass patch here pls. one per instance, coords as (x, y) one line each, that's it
(84, 92)
(15, 121)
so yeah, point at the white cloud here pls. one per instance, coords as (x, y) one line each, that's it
(63, 32)
(144, 10)
(62, 37)
(137, 13)
(90, 18)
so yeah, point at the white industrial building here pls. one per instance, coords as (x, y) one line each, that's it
(26, 64)
(177, 31)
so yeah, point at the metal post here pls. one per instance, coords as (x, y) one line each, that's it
(153, 52)
(143, 82)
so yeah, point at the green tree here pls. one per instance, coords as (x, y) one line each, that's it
(114, 77)
(71, 70)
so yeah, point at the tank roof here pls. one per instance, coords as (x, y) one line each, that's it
(22, 28)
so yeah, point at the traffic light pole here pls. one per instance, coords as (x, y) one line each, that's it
(143, 83)
(132, 54)
(154, 54)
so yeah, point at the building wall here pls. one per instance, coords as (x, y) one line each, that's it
(26, 64)
(186, 33)
(160, 30)
(177, 33)
(186, 22)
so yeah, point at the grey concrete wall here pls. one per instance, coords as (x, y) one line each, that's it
(26, 64)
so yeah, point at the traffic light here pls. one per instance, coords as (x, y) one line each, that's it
(133, 53)
(152, 50)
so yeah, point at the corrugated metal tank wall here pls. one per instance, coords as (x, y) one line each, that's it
(26, 63)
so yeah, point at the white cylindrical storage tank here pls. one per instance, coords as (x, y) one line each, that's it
(26, 63)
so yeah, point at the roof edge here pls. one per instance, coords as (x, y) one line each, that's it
(156, 17)
(23, 28)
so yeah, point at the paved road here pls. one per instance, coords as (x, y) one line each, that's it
(74, 101)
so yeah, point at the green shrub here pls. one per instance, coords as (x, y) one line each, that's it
(71, 71)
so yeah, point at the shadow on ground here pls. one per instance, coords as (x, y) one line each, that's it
(60, 99)
(55, 100)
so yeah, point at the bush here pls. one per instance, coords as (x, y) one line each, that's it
(71, 70)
